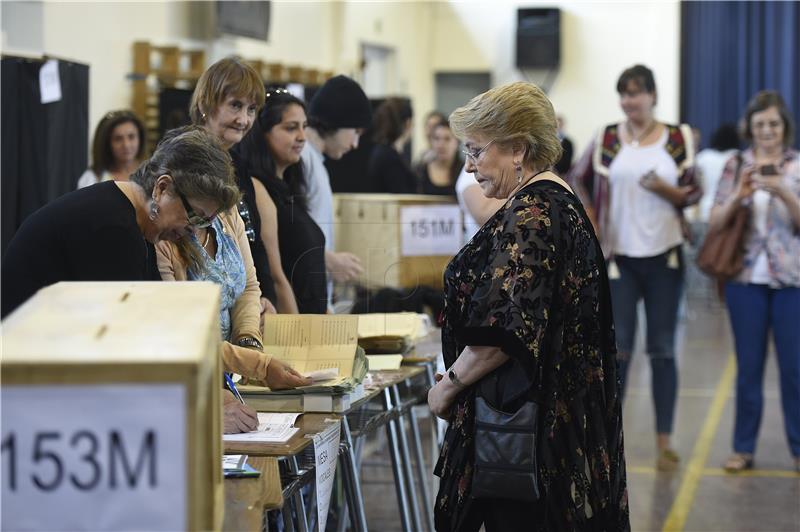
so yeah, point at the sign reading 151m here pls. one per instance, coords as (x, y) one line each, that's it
(100, 457)
(430, 230)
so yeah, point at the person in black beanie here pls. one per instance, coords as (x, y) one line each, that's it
(338, 114)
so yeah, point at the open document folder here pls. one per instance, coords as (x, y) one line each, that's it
(318, 345)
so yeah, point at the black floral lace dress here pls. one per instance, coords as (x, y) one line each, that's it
(532, 281)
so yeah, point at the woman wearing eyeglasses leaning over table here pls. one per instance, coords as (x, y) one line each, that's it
(765, 296)
(101, 233)
(527, 320)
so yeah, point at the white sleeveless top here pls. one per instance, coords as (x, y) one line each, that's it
(642, 224)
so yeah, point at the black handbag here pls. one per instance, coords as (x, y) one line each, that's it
(505, 452)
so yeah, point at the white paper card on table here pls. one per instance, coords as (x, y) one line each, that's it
(430, 230)
(92, 456)
(272, 428)
(233, 461)
(50, 82)
(384, 362)
(326, 454)
(323, 374)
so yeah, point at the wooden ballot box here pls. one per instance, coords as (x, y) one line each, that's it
(403, 240)
(111, 404)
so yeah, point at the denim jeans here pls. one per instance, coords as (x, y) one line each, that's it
(660, 284)
(754, 311)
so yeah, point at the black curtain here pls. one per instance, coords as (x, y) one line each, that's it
(730, 51)
(44, 146)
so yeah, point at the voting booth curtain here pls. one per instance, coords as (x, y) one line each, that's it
(730, 51)
(44, 146)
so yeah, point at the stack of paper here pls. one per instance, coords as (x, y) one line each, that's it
(390, 333)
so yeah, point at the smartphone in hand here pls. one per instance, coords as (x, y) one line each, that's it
(768, 170)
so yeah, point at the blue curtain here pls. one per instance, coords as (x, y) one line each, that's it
(730, 51)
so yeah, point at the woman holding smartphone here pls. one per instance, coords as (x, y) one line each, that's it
(766, 295)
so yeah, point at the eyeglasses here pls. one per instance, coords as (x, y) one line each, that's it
(195, 220)
(475, 155)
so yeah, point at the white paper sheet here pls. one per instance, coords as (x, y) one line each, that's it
(272, 428)
(50, 82)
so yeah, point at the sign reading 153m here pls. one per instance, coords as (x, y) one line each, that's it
(429, 230)
(101, 457)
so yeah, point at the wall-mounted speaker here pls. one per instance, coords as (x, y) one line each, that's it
(538, 37)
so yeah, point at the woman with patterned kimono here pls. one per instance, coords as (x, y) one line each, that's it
(527, 309)
(634, 180)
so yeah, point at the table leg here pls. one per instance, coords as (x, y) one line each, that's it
(300, 507)
(392, 430)
(422, 472)
(355, 499)
(403, 441)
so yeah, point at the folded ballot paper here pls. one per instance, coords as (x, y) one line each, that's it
(393, 333)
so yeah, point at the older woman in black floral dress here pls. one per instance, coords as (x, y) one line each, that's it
(527, 304)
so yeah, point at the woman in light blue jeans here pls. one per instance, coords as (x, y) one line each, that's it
(765, 296)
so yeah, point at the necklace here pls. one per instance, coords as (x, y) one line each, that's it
(635, 140)
(208, 237)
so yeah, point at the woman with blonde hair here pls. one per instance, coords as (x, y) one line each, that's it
(535, 434)
(225, 103)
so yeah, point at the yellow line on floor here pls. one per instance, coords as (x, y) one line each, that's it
(762, 473)
(676, 520)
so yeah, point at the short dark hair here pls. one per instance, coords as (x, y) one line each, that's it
(726, 137)
(102, 155)
(639, 74)
(762, 101)
(390, 120)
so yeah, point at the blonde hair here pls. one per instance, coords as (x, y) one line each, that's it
(516, 112)
(227, 77)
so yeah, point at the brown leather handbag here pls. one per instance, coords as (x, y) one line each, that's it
(721, 255)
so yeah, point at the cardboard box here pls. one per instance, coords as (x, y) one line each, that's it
(374, 228)
(111, 413)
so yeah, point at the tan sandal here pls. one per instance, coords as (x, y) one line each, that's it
(738, 462)
(667, 460)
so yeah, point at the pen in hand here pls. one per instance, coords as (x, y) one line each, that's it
(232, 387)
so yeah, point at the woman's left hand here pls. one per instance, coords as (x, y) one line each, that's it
(439, 401)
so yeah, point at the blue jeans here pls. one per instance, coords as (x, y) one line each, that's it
(661, 286)
(754, 311)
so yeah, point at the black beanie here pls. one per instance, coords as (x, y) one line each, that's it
(339, 103)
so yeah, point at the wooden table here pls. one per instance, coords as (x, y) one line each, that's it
(246, 499)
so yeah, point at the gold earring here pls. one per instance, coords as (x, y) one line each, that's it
(518, 168)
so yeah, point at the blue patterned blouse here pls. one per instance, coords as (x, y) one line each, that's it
(226, 270)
